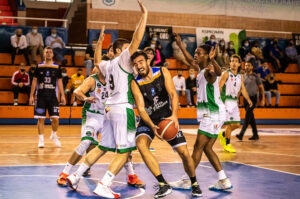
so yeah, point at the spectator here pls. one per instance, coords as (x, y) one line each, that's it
(263, 71)
(150, 54)
(31, 72)
(230, 49)
(251, 58)
(256, 51)
(178, 54)
(19, 46)
(160, 57)
(65, 80)
(57, 44)
(179, 83)
(76, 79)
(276, 56)
(212, 41)
(222, 56)
(292, 55)
(271, 89)
(244, 50)
(35, 44)
(191, 87)
(110, 52)
(21, 83)
(89, 57)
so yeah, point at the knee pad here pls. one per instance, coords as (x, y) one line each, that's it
(83, 146)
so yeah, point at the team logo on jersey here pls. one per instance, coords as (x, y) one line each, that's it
(109, 2)
(98, 90)
(40, 110)
(47, 73)
(152, 91)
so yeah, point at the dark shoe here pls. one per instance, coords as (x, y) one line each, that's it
(196, 191)
(87, 173)
(276, 105)
(164, 189)
(254, 138)
(238, 136)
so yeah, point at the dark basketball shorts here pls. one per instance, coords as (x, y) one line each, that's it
(44, 104)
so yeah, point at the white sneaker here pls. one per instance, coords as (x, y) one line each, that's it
(74, 103)
(41, 144)
(105, 191)
(55, 139)
(221, 185)
(184, 183)
(73, 181)
(15, 103)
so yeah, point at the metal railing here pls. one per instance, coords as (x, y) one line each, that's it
(65, 21)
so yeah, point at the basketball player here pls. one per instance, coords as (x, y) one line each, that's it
(151, 92)
(231, 83)
(210, 112)
(46, 76)
(119, 123)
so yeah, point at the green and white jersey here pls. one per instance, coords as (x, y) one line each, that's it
(119, 74)
(231, 87)
(209, 103)
(101, 93)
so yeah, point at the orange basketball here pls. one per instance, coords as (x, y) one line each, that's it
(167, 129)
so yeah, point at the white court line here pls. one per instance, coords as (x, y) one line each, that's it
(279, 165)
(265, 168)
(279, 154)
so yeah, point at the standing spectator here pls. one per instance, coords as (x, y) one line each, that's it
(76, 79)
(35, 44)
(89, 57)
(150, 54)
(252, 83)
(230, 49)
(179, 83)
(31, 72)
(292, 55)
(57, 44)
(21, 83)
(271, 89)
(276, 56)
(222, 56)
(191, 87)
(244, 50)
(263, 71)
(212, 41)
(19, 46)
(256, 51)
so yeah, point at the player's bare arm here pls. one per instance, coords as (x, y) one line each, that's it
(140, 30)
(245, 93)
(212, 55)
(139, 100)
(223, 79)
(173, 95)
(98, 50)
(262, 94)
(61, 91)
(87, 85)
(32, 90)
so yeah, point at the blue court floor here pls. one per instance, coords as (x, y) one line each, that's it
(39, 182)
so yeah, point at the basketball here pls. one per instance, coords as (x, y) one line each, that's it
(167, 129)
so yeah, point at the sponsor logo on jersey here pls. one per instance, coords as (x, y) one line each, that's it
(152, 91)
(98, 90)
(88, 133)
(47, 73)
(40, 110)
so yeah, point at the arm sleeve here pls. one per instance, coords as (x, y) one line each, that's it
(124, 61)
(13, 79)
(28, 80)
(13, 42)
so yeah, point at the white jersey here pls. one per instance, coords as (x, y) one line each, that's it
(119, 74)
(209, 103)
(231, 87)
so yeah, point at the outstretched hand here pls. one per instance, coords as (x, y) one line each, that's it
(143, 8)
(101, 36)
(177, 38)
(213, 53)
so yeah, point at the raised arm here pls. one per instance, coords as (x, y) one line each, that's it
(186, 54)
(212, 55)
(245, 93)
(223, 79)
(98, 50)
(140, 30)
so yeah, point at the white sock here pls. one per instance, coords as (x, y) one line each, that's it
(129, 168)
(67, 168)
(108, 178)
(54, 133)
(222, 175)
(82, 168)
(41, 137)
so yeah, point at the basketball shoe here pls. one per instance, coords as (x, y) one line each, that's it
(163, 190)
(41, 144)
(55, 139)
(73, 181)
(105, 191)
(196, 191)
(183, 183)
(221, 185)
(134, 181)
(222, 138)
(229, 148)
(62, 179)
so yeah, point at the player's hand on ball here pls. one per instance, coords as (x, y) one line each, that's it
(91, 99)
(175, 120)
(154, 129)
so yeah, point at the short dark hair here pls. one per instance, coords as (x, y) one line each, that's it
(237, 57)
(206, 48)
(149, 49)
(105, 58)
(248, 62)
(109, 47)
(48, 48)
(137, 54)
(119, 44)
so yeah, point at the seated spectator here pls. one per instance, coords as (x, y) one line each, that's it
(76, 79)
(244, 50)
(31, 71)
(65, 80)
(179, 83)
(292, 55)
(271, 89)
(89, 57)
(212, 41)
(191, 87)
(150, 54)
(35, 44)
(230, 49)
(251, 58)
(57, 45)
(263, 71)
(19, 46)
(160, 58)
(110, 52)
(21, 83)
(222, 56)
(256, 51)
(276, 56)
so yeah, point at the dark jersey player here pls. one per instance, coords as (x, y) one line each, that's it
(151, 91)
(47, 79)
